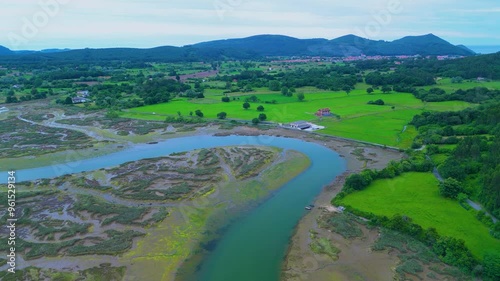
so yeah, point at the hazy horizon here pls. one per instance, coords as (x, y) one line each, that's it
(48, 24)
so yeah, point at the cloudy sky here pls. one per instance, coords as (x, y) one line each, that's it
(41, 24)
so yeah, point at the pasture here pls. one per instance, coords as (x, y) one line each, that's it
(387, 124)
(416, 196)
(449, 87)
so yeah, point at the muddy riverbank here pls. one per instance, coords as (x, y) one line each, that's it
(356, 260)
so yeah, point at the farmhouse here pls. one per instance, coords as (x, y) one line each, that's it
(83, 94)
(323, 112)
(301, 125)
(79, 100)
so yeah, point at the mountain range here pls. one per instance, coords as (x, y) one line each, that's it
(256, 47)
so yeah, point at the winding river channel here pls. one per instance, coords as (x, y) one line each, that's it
(252, 248)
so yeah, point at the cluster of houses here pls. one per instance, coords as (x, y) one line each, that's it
(81, 97)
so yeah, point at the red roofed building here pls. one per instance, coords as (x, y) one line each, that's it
(323, 112)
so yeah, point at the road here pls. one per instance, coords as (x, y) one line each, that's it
(474, 205)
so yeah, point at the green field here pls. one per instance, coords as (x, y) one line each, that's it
(358, 120)
(416, 196)
(449, 87)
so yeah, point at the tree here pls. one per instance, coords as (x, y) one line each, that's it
(448, 131)
(492, 265)
(369, 90)
(377, 102)
(386, 89)
(274, 85)
(253, 98)
(191, 93)
(11, 99)
(260, 108)
(246, 105)
(462, 198)
(68, 100)
(284, 91)
(456, 80)
(255, 121)
(300, 96)
(221, 115)
(450, 188)
(198, 113)
(262, 117)
(358, 181)
(112, 114)
(225, 99)
(347, 89)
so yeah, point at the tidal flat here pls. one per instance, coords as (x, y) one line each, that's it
(142, 218)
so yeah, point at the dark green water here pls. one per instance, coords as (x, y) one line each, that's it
(252, 249)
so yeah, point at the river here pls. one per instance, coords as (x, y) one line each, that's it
(252, 248)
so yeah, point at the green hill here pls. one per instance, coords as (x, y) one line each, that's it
(253, 47)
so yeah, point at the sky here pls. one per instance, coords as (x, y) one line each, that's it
(45, 24)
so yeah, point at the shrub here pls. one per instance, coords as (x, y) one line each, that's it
(221, 115)
(377, 102)
(450, 188)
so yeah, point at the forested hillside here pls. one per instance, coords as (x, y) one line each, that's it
(254, 47)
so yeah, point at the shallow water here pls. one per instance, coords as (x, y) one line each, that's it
(252, 248)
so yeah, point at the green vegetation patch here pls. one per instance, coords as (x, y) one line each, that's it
(119, 213)
(416, 195)
(324, 246)
(343, 224)
(117, 242)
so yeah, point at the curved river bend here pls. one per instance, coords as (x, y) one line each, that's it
(252, 249)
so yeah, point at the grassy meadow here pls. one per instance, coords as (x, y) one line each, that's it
(449, 87)
(416, 195)
(386, 124)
